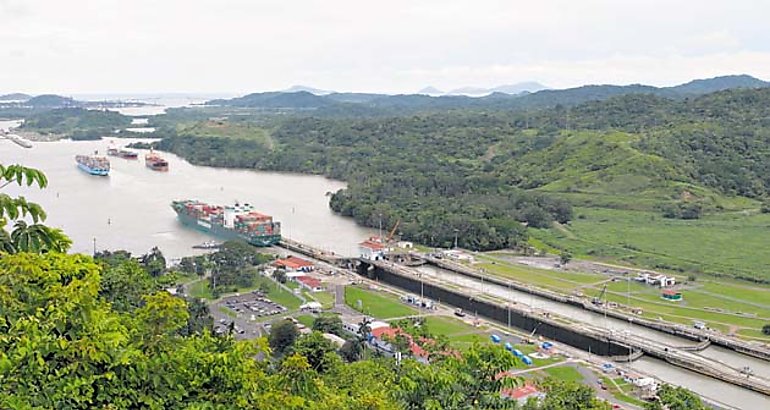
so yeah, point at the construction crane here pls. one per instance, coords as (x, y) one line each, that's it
(392, 232)
(598, 300)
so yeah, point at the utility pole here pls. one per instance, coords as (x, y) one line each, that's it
(381, 228)
(94, 246)
(456, 231)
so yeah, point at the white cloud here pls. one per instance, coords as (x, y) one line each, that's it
(246, 45)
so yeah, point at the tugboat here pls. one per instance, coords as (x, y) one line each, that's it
(93, 164)
(208, 245)
(155, 162)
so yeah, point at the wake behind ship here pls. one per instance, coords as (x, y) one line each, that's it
(229, 222)
(93, 164)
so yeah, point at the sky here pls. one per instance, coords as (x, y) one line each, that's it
(394, 46)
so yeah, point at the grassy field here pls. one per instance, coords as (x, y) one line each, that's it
(566, 373)
(732, 244)
(306, 320)
(720, 306)
(380, 305)
(278, 294)
(552, 279)
(729, 306)
(200, 290)
(449, 327)
(227, 129)
(324, 298)
(621, 391)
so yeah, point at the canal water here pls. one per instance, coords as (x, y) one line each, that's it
(715, 390)
(130, 209)
(712, 389)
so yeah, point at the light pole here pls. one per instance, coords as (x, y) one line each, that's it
(94, 246)
(456, 231)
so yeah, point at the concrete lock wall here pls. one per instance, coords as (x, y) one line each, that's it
(496, 312)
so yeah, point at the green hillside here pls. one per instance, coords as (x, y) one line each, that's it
(487, 174)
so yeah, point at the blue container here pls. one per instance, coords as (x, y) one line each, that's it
(508, 347)
(495, 338)
(526, 360)
(518, 353)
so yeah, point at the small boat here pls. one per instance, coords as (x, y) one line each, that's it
(208, 245)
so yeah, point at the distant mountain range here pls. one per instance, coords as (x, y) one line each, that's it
(15, 97)
(311, 90)
(517, 96)
(513, 89)
(525, 87)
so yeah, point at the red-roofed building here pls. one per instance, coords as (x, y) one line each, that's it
(381, 335)
(312, 284)
(672, 295)
(372, 249)
(293, 263)
(523, 393)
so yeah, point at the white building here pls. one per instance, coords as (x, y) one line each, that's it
(372, 249)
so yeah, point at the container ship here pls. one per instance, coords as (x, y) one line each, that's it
(93, 164)
(122, 153)
(21, 141)
(240, 221)
(155, 162)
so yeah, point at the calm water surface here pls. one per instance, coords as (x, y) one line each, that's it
(130, 209)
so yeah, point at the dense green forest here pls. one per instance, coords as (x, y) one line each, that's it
(488, 174)
(428, 172)
(77, 123)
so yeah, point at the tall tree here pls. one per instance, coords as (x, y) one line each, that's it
(282, 336)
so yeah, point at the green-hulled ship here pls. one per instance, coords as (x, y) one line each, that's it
(239, 221)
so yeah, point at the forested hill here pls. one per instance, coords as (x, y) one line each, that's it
(485, 173)
(343, 104)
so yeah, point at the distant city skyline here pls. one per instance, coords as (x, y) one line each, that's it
(242, 46)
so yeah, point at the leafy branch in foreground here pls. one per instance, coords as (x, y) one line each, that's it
(35, 237)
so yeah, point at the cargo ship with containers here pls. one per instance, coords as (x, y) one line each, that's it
(122, 153)
(239, 221)
(155, 162)
(93, 164)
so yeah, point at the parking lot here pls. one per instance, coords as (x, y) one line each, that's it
(247, 309)
(254, 303)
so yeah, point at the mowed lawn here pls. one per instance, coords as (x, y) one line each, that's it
(719, 305)
(377, 304)
(729, 243)
(449, 327)
(566, 373)
(278, 294)
(553, 279)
